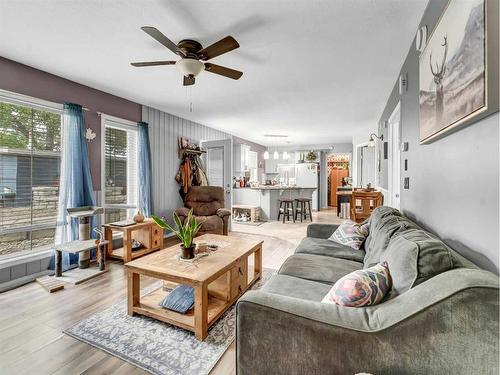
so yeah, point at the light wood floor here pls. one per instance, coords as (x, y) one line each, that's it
(32, 320)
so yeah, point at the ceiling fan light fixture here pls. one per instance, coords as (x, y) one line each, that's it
(190, 67)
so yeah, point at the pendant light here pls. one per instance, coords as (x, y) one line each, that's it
(276, 156)
(285, 155)
(266, 155)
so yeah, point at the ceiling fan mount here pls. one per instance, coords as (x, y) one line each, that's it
(193, 56)
(190, 47)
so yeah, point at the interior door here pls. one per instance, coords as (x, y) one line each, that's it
(395, 158)
(218, 164)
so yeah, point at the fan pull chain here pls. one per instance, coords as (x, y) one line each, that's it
(190, 98)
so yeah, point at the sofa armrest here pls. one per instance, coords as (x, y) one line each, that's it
(321, 230)
(421, 331)
(222, 212)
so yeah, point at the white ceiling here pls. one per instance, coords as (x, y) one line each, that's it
(318, 71)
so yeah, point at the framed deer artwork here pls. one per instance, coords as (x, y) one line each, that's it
(453, 69)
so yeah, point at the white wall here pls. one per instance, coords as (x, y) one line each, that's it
(359, 139)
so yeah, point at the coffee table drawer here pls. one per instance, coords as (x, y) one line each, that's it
(156, 236)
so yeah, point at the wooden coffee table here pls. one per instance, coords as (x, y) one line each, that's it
(218, 279)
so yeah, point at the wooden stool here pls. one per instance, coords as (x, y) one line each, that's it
(286, 205)
(304, 207)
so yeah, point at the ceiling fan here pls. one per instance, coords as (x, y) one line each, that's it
(192, 56)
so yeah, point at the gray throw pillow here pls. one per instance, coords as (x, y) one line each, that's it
(415, 256)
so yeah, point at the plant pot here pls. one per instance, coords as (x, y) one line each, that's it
(187, 252)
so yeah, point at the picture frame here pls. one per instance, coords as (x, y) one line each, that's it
(457, 88)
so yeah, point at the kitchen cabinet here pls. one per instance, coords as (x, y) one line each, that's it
(252, 160)
(271, 165)
(240, 159)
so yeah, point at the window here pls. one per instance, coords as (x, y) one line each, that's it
(30, 145)
(119, 168)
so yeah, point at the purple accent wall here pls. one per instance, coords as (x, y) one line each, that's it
(253, 147)
(23, 79)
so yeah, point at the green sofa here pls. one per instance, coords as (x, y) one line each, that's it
(440, 318)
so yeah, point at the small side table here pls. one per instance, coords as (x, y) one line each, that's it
(148, 233)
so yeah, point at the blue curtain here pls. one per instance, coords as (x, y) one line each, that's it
(75, 187)
(144, 167)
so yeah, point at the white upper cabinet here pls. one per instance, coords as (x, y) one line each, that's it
(240, 159)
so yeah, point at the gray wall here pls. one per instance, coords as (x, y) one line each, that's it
(164, 131)
(454, 181)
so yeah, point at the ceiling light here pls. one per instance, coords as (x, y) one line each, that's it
(266, 155)
(276, 156)
(190, 67)
(276, 135)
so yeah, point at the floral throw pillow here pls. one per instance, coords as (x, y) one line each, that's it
(350, 234)
(366, 287)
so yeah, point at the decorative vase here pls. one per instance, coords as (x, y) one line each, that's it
(138, 217)
(187, 252)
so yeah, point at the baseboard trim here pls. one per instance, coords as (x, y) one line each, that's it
(12, 284)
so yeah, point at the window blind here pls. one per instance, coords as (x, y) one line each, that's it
(120, 170)
(30, 145)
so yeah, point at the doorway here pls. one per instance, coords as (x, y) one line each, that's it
(394, 127)
(338, 175)
(218, 162)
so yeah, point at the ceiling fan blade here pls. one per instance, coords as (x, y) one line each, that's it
(157, 34)
(152, 63)
(218, 48)
(223, 71)
(188, 80)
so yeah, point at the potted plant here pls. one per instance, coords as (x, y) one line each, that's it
(185, 232)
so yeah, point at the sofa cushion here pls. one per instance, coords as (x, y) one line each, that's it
(361, 288)
(350, 234)
(415, 256)
(318, 268)
(295, 287)
(381, 232)
(320, 246)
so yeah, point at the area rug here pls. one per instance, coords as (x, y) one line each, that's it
(154, 346)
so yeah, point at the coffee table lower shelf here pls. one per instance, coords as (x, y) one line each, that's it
(150, 306)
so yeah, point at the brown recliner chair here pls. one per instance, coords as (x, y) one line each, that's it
(208, 204)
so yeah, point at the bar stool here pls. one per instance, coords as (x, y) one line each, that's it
(286, 205)
(303, 207)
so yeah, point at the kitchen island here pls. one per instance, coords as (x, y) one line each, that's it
(267, 198)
